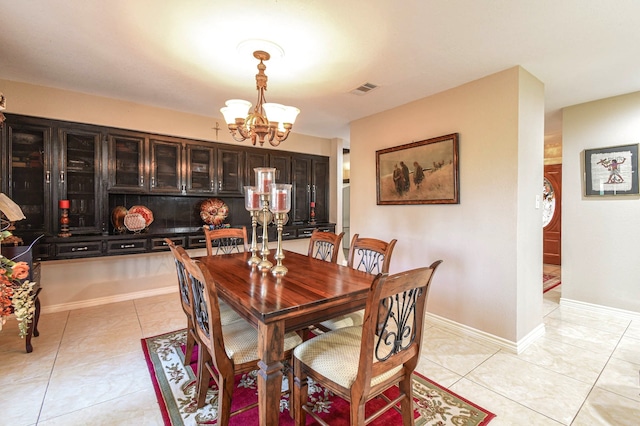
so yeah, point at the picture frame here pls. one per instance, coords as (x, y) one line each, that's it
(611, 171)
(424, 172)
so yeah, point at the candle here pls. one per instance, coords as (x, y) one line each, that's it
(255, 201)
(281, 204)
(266, 184)
(63, 204)
(313, 204)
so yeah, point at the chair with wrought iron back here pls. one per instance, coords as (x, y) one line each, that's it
(325, 245)
(359, 363)
(225, 240)
(369, 255)
(186, 298)
(225, 350)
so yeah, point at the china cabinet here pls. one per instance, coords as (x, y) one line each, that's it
(98, 168)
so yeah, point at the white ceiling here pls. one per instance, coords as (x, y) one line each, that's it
(181, 54)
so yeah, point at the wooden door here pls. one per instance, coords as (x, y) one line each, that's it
(551, 211)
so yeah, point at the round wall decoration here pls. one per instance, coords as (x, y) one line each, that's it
(213, 211)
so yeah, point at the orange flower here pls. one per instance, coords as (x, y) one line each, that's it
(20, 270)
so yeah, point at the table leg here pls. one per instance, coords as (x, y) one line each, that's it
(270, 351)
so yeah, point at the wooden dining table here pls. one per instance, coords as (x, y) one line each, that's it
(311, 291)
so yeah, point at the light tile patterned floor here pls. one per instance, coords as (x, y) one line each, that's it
(88, 368)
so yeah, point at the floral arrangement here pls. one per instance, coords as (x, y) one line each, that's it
(15, 292)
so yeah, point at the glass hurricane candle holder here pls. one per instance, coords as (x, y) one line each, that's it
(252, 204)
(280, 206)
(265, 177)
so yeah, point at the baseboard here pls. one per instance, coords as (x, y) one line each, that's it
(488, 338)
(110, 299)
(601, 309)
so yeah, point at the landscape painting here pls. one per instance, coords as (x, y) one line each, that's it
(424, 172)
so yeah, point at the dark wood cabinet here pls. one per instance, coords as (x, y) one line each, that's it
(98, 168)
(166, 167)
(230, 171)
(80, 179)
(310, 189)
(127, 168)
(29, 172)
(200, 169)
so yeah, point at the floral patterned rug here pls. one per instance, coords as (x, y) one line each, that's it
(550, 282)
(175, 389)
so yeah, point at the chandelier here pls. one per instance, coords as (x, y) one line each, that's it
(267, 121)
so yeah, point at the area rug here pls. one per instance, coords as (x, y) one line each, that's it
(550, 282)
(175, 386)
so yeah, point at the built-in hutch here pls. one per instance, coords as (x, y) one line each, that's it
(98, 168)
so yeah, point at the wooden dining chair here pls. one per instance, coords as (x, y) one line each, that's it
(224, 350)
(360, 363)
(225, 240)
(325, 245)
(227, 314)
(368, 255)
(186, 298)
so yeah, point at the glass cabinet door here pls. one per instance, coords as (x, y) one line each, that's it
(29, 175)
(126, 165)
(230, 167)
(200, 169)
(166, 166)
(80, 179)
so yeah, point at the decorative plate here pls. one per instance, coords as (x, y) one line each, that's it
(117, 218)
(213, 211)
(135, 222)
(144, 212)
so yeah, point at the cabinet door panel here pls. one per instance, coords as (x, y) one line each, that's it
(301, 189)
(30, 174)
(166, 166)
(282, 164)
(126, 163)
(230, 168)
(320, 190)
(255, 159)
(200, 169)
(80, 181)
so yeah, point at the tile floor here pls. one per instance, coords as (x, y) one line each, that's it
(87, 367)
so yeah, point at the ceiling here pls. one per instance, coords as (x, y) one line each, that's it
(182, 54)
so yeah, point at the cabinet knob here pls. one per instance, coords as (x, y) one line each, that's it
(61, 176)
(141, 180)
(47, 178)
(220, 185)
(153, 182)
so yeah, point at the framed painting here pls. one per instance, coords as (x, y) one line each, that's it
(611, 171)
(424, 172)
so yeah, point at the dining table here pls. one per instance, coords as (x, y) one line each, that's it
(310, 292)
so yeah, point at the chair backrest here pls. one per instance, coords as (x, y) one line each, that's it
(206, 311)
(370, 255)
(186, 298)
(225, 240)
(392, 328)
(325, 245)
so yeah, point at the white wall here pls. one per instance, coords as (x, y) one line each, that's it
(491, 242)
(600, 235)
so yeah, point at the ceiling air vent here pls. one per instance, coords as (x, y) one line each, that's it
(363, 89)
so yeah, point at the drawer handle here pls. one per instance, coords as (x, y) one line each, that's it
(307, 232)
(127, 246)
(85, 248)
(286, 234)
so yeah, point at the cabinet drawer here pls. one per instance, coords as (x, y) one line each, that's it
(160, 244)
(79, 249)
(127, 246)
(197, 241)
(288, 233)
(305, 232)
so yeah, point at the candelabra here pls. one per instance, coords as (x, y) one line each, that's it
(264, 179)
(280, 206)
(64, 218)
(252, 204)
